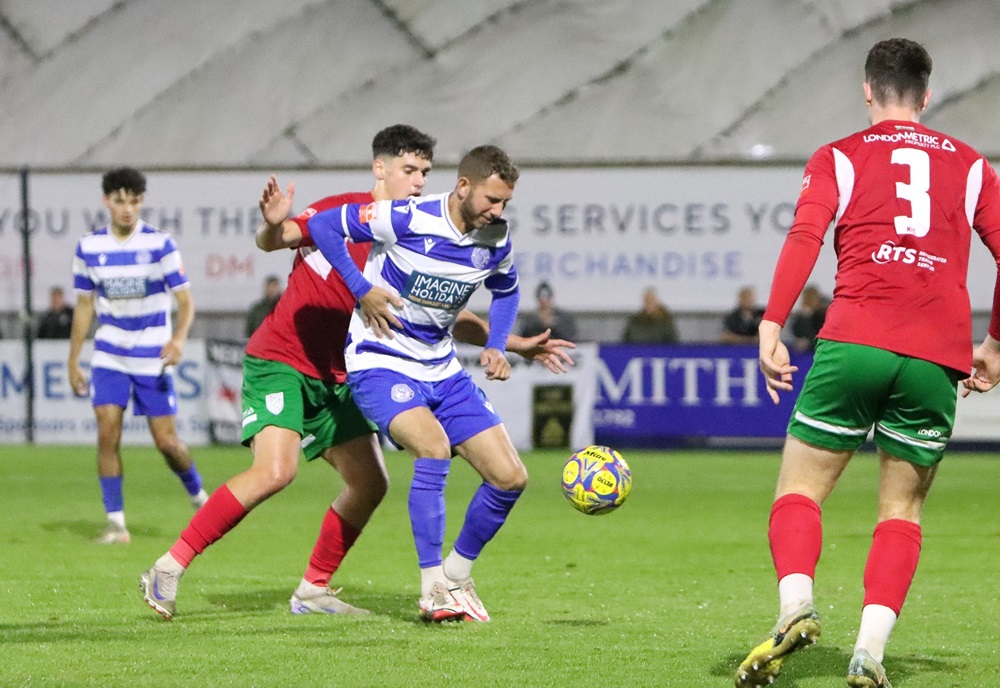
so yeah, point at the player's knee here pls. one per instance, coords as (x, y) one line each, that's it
(371, 486)
(431, 449)
(513, 479)
(275, 477)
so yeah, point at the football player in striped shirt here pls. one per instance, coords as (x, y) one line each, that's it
(905, 201)
(295, 393)
(128, 274)
(429, 254)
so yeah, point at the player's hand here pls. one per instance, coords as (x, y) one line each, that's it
(775, 362)
(171, 352)
(377, 308)
(551, 353)
(77, 380)
(985, 368)
(276, 206)
(496, 364)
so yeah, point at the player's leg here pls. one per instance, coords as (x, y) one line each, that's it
(272, 429)
(892, 561)
(795, 533)
(832, 416)
(155, 398)
(110, 473)
(398, 405)
(481, 439)
(420, 433)
(494, 457)
(911, 435)
(359, 461)
(110, 391)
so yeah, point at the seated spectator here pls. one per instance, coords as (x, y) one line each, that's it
(654, 324)
(808, 319)
(261, 309)
(57, 322)
(548, 317)
(740, 324)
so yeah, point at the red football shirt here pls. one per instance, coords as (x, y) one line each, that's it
(904, 200)
(308, 328)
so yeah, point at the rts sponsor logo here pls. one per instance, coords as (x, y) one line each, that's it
(890, 253)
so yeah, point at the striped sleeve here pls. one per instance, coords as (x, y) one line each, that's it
(504, 280)
(173, 267)
(81, 280)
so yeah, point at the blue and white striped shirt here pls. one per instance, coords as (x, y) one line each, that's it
(419, 254)
(132, 280)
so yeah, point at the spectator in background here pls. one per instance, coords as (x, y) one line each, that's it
(261, 309)
(654, 324)
(57, 322)
(740, 324)
(808, 320)
(547, 317)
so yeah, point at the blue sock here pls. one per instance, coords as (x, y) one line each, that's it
(111, 491)
(427, 512)
(191, 479)
(486, 513)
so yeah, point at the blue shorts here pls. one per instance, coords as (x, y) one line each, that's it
(152, 395)
(458, 404)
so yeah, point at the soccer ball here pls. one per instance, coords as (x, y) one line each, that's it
(596, 480)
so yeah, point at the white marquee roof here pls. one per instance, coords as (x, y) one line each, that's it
(306, 82)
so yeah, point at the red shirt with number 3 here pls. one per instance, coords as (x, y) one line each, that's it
(904, 200)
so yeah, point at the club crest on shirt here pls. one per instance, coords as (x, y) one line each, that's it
(480, 257)
(401, 392)
(143, 257)
(275, 402)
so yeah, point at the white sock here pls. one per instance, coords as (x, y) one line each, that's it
(457, 568)
(430, 576)
(117, 518)
(307, 590)
(168, 563)
(794, 591)
(876, 625)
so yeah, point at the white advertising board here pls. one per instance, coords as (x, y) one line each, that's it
(598, 236)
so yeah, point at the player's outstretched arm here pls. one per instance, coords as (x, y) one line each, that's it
(985, 367)
(277, 231)
(551, 353)
(775, 362)
(471, 329)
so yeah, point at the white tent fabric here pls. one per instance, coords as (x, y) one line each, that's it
(181, 83)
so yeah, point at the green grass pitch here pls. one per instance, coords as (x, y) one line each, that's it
(671, 590)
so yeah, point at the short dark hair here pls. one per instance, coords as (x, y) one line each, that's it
(544, 289)
(898, 70)
(402, 138)
(127, 178)
(482, 162)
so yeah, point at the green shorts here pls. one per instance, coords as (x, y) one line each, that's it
(323, 413)
(850, 387)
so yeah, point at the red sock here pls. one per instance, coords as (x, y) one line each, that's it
(335, 537)
(220, 514)
(796, 535)
(892, 561)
